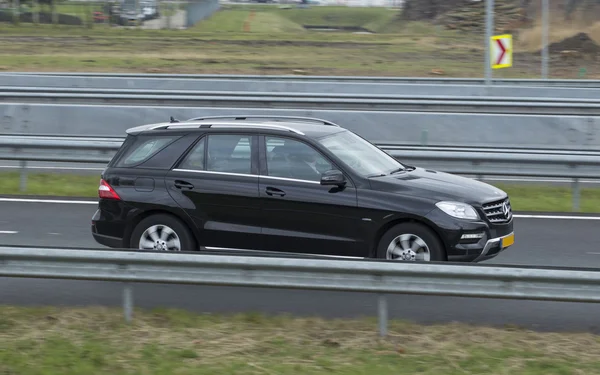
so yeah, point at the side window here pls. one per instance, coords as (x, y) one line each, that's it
(229, 153)
(294, 159)
(195, 159)
(143, 148)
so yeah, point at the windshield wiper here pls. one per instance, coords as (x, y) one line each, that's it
(376, 175)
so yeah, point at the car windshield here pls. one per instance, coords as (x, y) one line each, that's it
(360, 155)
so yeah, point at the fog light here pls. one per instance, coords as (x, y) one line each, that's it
(472, 236)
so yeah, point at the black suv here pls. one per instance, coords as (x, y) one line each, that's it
(294, 185)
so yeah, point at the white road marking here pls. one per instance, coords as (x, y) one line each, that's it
(28, 200)
(593, 253)
(54, 234)
(518, 216)
(8, 232)
(53, 168)
(557, 217)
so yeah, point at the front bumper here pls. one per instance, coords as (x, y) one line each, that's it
(491, 239)
(495, 246)
(491, 249)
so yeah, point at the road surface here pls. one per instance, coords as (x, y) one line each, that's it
(539, 241)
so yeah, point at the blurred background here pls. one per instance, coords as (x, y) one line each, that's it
(317, 37)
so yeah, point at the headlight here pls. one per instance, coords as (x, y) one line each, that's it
(458, 210)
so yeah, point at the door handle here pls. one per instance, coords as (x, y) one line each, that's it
(183, 185)
(274, 191)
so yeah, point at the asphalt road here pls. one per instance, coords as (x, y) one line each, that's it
(539, 241)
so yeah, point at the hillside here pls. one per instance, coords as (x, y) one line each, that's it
(274, 19)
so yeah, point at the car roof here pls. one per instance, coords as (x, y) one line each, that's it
(307, 126)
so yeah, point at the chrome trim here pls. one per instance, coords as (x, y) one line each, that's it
(245, 175)
(498, 211)
(191, 125)
(215, 172)
(154, 127)
(290, 179)
(488, 245)
(183, 126)
(264, 126)
(237, 118)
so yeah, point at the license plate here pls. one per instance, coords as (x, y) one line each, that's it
(507, 241)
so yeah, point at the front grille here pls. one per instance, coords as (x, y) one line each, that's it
(498, 211)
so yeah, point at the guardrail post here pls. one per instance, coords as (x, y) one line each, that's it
(23, 181)
(128, 302)
(424, 135)
(383, 315)
(576, 194)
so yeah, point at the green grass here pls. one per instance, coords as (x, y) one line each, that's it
(268, 19)
(258, 22)
(49, 48)
(523, 197)
(48, 184)
(336, 16)
(62, 341)
(274, 43)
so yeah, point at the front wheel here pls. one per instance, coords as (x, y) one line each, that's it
(410, 242)
(162, 232)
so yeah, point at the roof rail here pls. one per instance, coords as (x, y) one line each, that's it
(187, 125)
(269, 117)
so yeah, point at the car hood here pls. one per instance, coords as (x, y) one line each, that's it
(438, 186)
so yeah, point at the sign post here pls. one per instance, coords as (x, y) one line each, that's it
(501, 51)
(489, 23)
(545, 31)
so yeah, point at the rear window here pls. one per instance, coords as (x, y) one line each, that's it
(143, 148)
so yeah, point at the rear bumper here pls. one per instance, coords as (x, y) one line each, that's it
(107, 235)
(114, 242)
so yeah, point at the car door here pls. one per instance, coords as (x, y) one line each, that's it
(298, 213)
(216, 184)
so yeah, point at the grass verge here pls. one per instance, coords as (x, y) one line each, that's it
(523, 197)
(269, 40)
(264, 50)
(90, 341)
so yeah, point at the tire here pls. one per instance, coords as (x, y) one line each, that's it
(180, 235)
(413, 232)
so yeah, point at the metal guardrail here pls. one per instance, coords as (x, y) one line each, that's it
(582, 83)
(66, 91)
(368, 276)
(297, 86)
(563, 164)
(364, 102)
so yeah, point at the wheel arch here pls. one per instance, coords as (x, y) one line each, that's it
(135, 220)
(401, 220)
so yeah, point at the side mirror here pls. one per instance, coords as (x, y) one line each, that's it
(333, 177)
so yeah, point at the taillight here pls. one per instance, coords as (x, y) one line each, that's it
(105, 191)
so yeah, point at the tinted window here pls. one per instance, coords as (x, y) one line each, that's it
(143, 148)
(229, 153)
(293, 159)
(195, 159)
(166, 157)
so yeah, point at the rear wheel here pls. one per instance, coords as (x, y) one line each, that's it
(410, 242)
(162, 232)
